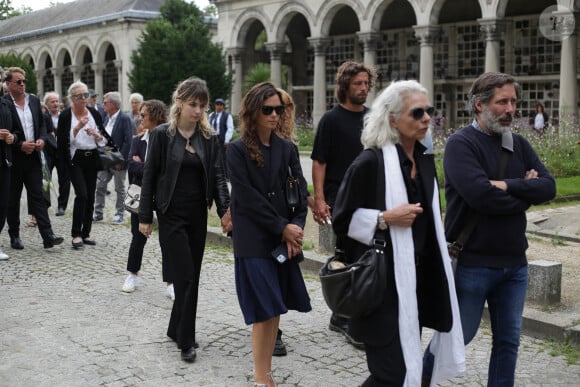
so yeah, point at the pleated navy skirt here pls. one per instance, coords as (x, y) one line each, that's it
(267, 289)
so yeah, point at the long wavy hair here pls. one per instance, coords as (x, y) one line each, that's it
(250, 110)
(285, 127)
(193, 88)
(377, 130)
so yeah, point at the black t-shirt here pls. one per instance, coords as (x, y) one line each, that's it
(337, 143)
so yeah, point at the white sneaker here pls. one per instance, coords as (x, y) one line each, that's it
(118, 219)
(4, 257)
(170, 292)
(130, 283)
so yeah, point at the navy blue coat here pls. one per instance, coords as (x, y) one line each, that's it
(122, 134)
(259, 210)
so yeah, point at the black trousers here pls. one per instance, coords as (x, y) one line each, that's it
(136, 247)
(386, 364)
(27, 172)
(83, 176)
(4, 193)
(63, 180)
(182, 234)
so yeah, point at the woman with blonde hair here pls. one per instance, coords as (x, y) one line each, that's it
(183, 176)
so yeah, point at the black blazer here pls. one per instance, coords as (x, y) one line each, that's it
(259, 210)
(63, 132)
(135, 168)
(162, 168)
(358, 190)
(5, 123)
(37, 119)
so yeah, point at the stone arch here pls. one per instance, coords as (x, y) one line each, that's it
(60, 52)
(79, 50)
(376, 10)
(331, 8)
(285, 15)
(244, 23)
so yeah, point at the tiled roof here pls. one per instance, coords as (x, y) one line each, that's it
(74, 15)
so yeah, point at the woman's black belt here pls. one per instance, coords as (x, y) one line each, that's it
(85, 152)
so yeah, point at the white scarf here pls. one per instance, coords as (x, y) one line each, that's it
(448, 347)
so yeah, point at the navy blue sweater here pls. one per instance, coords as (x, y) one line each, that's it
(471, 160)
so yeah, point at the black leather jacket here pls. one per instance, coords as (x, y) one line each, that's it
(165, 154)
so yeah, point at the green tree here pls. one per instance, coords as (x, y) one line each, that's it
(175, 47)
(12, 60)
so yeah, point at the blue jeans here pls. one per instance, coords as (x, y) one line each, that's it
(505, 293)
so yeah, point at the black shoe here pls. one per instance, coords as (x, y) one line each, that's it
(77, 245)
(342, 325)
(89, 241)
(52, 241)
(16, 243)
(188, 355)
(280, 347)
(60, 212)
(97, 217)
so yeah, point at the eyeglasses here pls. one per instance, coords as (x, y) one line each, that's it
(80, 96)
(19, 82)
(419, 112)
(267, 110)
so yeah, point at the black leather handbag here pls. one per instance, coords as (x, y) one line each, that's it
(292, 191)
(356, 289)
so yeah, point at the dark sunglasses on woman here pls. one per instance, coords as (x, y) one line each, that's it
(267, 110)
(419, 112)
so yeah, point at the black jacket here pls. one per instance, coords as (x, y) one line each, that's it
(259, 209)
(163, 165)
(135, 168)
(18, 130)
(5, 123)
(63, 132)
(359, 190)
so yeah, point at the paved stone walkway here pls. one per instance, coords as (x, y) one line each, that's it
(65, 322)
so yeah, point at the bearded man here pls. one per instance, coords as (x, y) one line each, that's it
(492, 265)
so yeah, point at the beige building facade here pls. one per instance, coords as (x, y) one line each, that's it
(85, 40)
(445, 44)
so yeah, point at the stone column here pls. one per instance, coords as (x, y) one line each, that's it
(427, 35)
(276, 52)
(40, 73)
(57, 73)
(238, 79)
(319, 92)
(370, 41)
(98, 69)
(568, 82)
(76, 71)
(493, 29)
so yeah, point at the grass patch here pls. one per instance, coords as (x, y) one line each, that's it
(570, 351)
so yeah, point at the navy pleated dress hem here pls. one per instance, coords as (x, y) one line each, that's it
(267, 289)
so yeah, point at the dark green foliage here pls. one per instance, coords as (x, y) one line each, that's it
(174, 47)
(12, 60)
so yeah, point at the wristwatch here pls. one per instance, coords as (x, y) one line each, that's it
(381, 224)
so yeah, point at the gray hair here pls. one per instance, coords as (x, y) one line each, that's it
(76, 85)
(50, 94)
(377, 130)
(136, 97)
(114, 98)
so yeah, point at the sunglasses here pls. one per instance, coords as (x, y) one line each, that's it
(419, 112)
(81, 96)
(267, 110)
(19, 82)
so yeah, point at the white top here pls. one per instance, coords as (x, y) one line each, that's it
(83, 141)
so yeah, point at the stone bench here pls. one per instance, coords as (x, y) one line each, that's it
(544, 282)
